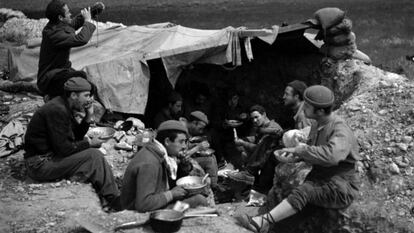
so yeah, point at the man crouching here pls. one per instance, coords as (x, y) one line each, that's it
(56, 148)
(146, 185)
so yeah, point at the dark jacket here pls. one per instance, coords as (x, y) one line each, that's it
(57, 40)
(145, 184)
(53, 129)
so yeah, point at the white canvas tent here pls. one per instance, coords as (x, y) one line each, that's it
(116, 59)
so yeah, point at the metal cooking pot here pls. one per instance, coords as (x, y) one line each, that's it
(166, 220)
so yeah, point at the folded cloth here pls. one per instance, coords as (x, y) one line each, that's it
(233, 52)
(171, 162)
(329, 16)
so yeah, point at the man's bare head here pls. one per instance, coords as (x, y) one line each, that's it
(56, 10)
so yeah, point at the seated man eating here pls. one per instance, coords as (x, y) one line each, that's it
(149, 176)
(56, 148)
(199, 147)
(260, 164)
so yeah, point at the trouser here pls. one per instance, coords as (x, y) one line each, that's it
(263, 180)
(319, 206)
(337, 193)
(88, 166)
(287, 176)
(209, 165)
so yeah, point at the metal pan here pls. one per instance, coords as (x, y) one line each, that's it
(168, 220)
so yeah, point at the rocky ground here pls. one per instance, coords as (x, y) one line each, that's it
(380, 111)
(381, 114)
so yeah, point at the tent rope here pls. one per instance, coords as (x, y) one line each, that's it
(97, 31)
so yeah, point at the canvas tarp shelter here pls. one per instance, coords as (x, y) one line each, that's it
(115, 60)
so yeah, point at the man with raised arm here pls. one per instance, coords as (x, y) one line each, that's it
(58, 37)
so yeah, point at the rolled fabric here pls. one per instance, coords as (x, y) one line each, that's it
(329, 16)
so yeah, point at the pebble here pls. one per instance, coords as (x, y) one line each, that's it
(384, 84)
(394, 168)
(7, 97)
(50, 224)
(360, 167)
(60, 213)
(402, 164)
(395, 185)
(398, 159)
(407, 139)
(409, 171)
(389, 150)
(382, 112)
(354, 108)
(402, 146)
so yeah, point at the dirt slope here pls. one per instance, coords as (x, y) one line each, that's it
(381, 113)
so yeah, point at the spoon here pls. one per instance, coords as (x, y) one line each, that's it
(204, 178)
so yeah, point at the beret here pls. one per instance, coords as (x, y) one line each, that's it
(77, 84)
(172, 125)
(200, 116)
(299, 86)
(319, 96)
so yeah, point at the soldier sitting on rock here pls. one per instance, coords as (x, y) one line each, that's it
(332, 149)
(56, 148)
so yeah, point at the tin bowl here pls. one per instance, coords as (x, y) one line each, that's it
(103, 133)
(192, 184)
